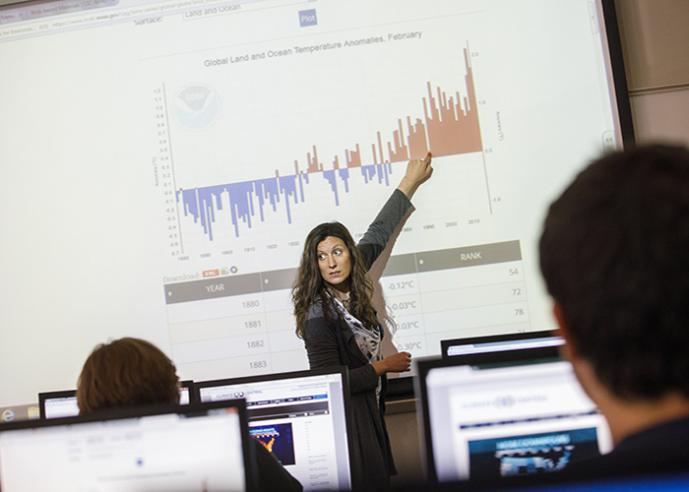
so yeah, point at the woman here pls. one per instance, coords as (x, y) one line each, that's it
(131, 371)
(332, 304)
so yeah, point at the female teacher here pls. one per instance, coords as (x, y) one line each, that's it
(332, 304)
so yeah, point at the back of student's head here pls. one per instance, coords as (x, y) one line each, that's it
(128, 371)
(615, 256)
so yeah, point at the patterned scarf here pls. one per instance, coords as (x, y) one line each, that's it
(367, 339)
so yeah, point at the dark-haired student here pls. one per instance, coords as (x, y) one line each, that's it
(131, 371)
(614, 254)
(339, 326)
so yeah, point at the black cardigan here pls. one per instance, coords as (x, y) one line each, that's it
(331, 343)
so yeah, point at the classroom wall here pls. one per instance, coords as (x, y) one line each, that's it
(654, 38)
(654, 44)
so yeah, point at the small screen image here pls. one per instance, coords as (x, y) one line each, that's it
(277, 438)
(531, 453)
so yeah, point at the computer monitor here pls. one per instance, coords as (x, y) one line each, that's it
(171, 448)
(56, 404)
(186, 392)
(499, 414)
(498, 343)
(302, 417)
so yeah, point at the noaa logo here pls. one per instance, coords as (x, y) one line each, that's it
(196, 106)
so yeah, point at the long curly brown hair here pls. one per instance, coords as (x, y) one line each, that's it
(310, 287)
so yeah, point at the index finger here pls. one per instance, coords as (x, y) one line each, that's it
(427, 159)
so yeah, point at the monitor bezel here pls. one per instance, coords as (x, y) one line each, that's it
(49, 395)
(507, 337)
(619, 74)
(189, 385)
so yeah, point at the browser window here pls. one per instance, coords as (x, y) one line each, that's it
(506, 420)
(168, 452)
(302, 421)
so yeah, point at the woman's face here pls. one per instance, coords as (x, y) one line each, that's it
(334, 262)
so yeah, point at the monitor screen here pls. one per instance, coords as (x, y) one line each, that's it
(184, 396)
(300, 417)
(56, 404)
(173, 156)
(53, 407)
(203, 450)
(186, 392)
(498, 417)
(499, 343)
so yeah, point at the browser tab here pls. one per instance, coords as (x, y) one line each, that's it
(33, 12)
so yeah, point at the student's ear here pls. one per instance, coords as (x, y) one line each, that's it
(568, 350)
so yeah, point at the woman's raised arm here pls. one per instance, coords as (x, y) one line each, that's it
(395, 210)
(418, 172)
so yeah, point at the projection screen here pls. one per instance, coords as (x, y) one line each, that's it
(162, 162)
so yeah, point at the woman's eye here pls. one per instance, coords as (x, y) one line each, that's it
(321, 257)
(338, 252)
